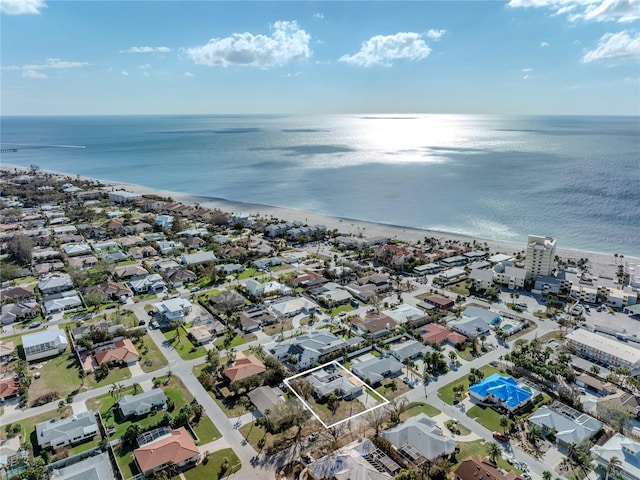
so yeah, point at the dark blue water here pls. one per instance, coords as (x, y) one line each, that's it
(575, 178)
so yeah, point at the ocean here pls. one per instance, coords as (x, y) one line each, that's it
(576, 178)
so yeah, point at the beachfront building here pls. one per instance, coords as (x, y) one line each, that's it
(44, 344)
(540, 255)
(509, 276)
(501, 390)
(122, 196)
(606, 349)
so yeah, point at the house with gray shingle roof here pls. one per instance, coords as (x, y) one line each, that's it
(141, 404)
(419, 437)
(68, 431)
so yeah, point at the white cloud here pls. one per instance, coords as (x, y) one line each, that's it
(527, 70)
(544, 44)
(22, 7)
(611, 10)
(124, 73)
(33, 74)
(598, 10)
(435, 34)
(383, 49)
(287, 43)
(146, 66)
(189, 74)
(146, 50)
(614, 46)
(55, 63)
(526, 76)
(291, 75)
(318, 16)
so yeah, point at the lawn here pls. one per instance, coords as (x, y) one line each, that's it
(126, 318)
(248, 273)
(342, 308)
(236, 342)
(280, 327)
(153, 359)
(459, 288)
(182, 344)
(446, 393)
(485, 416)
(211, 469)
(387, 391)
(416, 408)
(126, 461)
(58, 374)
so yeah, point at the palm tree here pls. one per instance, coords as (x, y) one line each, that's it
(493, 451)
(612, 465)
(504, 423)
(452, 356)
(547, 475)
(533, 434)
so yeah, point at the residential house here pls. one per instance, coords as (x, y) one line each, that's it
(307, 349)
(455, 261)
(94, 467)
(408, 350)
(361, 460)
(60, 302)
(18, 312)
(67, 431)
(331, 295)
(7, 351)
(291, 306)
(178, 277)
(376, 369)
(469, 326)
(9, 387)
(150, 284)
(626, 450)
(435, 333)
(131, 272)
(451, 275)
(405, 313)
(166, 246)
(254, 317)
(502, 391)
(477, 467)
(227, 300)
(75, 249)
(440, 302)
(376, 325)
(175, 448)
(138, 253)
(199, 257)
(244, 367)
(567, 424)
(488, 316)
(84, 261)
(122, 352)
(257, 289)
(331, 379)
(265, 398)
(419, 438)
(174, 309)
(46, 343)
(55, 284)
(141, 404)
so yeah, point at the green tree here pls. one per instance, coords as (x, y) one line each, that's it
(493, 451)
(612, 465)
(504, 423)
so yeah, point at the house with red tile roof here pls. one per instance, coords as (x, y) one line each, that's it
(9, 387)
(439, 334)
(476, 467)
(122, 352)
(245, 367)
(175, 448)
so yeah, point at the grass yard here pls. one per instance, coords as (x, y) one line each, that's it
(153, 359)
(211, 470)
(182, 344)
(342, 308)
(126, 318)
(236, 342)
(416, 408)
(58, 374)
(280, 327)
(126, 461)
(485, 416)
(249, 272)
(388, 392)
(459, 288)
(446, 393)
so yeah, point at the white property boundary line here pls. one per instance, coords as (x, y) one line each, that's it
(308, 407)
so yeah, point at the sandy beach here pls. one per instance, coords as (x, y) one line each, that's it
(601, 263)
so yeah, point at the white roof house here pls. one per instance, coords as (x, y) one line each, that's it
(420, 434)
(174, 308)
(404, 313)
(258, 289)
(58, 305)
(293, 306)
(200, 257)
(44, 344)
(625, 449)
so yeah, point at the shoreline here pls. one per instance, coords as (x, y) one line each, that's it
(602, 263)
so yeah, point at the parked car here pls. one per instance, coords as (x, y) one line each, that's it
(500, 437)
(35, 325)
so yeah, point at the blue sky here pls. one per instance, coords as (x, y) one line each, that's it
(156, 57)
